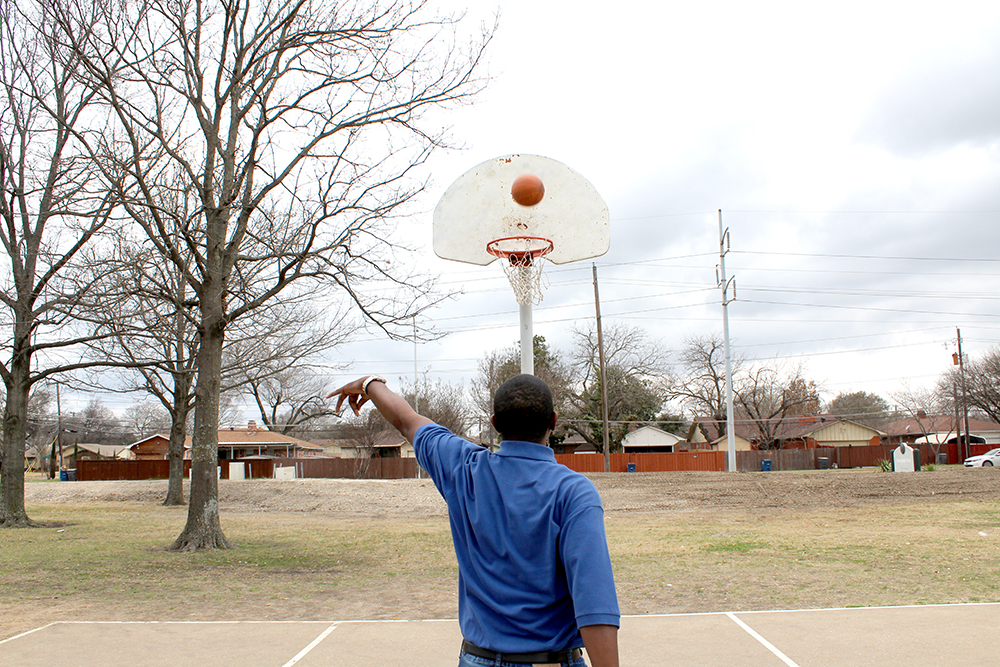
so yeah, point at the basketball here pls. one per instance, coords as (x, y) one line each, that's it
(527, 190)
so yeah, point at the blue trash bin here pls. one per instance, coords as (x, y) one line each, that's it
(765, 466)
(630, 467)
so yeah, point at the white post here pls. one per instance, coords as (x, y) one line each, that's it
(527, 341)
(724, 284)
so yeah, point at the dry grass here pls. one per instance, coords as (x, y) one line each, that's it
(106, 560)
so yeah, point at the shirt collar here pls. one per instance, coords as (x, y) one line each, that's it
(526, 450)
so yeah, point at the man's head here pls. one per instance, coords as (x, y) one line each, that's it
(522, 409)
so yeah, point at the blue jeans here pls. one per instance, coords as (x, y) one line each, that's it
(469, 660)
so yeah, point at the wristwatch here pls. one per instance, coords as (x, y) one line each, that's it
(368, 381)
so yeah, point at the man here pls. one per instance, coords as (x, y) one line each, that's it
(535, 580)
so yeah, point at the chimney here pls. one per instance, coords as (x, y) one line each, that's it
(252, 428)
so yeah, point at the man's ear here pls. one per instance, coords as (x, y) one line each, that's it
(493, 420)
(552, 424)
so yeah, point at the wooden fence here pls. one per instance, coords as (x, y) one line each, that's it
(402, 468)
(398, 468)
(659, 462)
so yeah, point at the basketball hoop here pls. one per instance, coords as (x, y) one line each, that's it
(524, 264)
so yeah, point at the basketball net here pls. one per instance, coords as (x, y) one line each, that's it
(523, 262)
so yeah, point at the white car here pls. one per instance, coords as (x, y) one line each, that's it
(987, 460)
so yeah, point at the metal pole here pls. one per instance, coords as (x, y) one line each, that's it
(527, 341)
(416, 374)
(965, 404)
(59, 428)
(724, 284)
(603, 376)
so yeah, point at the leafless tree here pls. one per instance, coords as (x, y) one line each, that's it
(145, 419)
(300, 126)
(635, 368)
(931, 412)
(860, 406)
(276, 364)
(365, 432)
(768, 395)
(700, 385)
(498, 366)
(443, 403)
(53, 204)
(982, 385)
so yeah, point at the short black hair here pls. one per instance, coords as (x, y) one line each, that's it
(523, 409)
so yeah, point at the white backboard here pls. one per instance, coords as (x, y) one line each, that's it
(478, 208)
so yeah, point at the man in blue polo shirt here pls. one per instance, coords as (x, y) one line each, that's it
(535, 579)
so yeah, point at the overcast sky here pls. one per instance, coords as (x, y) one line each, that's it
(853, 147)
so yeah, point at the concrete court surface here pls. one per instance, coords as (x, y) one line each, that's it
(917, 636)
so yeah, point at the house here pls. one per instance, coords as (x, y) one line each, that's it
(234, 443)
(388, 445)
(805, 432)
(938, 429)
(810, 432)
(650, 439)
(706, 434)
(94, 452)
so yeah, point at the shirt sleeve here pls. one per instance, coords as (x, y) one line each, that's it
(585, 556)
(441, 453)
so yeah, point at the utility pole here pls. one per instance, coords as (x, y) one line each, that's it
(965, 404)
(416, 374)
(724, 286)
(604, 384)
(59, 428)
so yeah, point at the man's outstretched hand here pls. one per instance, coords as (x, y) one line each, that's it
(350, 392)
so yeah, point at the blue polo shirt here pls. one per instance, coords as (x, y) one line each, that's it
(533, 562)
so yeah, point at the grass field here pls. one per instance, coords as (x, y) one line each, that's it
(106, 561)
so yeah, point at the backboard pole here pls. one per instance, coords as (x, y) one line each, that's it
(527, 341)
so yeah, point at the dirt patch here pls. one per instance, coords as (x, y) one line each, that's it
(688, 492)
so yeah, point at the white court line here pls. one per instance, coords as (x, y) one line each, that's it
(768, 645)
(25, 634)
(304, 652)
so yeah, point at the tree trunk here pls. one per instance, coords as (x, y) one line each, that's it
(203, 529)
(12, 512)
(175, 454)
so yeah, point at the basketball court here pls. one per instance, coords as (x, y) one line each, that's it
(918, 636)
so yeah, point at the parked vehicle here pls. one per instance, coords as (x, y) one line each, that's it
(987, 460)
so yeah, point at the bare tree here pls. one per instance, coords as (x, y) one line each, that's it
(276, 364)
(701, 384)
(442, 403)
(982, 385)
(930, 410)
(145, 419)
(860, 406)
(365, 432)
(498, 366)
(300, 127)
(635, 369)
(54, 203)
(768, 396)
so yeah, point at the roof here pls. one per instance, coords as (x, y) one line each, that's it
(645, 434)
(936, 424)
(386, 439)
(106, 451)
(790, 428)
(248, 436)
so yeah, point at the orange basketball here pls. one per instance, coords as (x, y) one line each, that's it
(527, 190)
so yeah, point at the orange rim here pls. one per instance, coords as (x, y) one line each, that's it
(516, 251)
